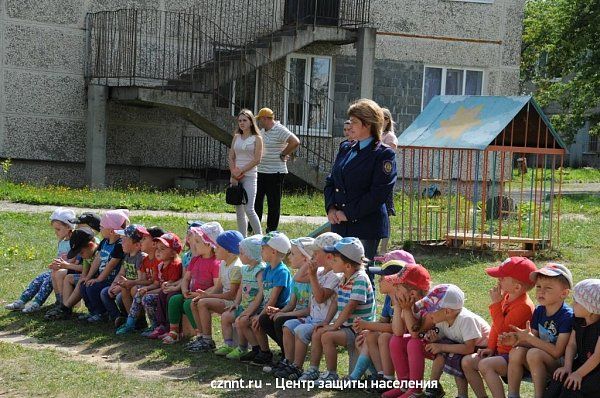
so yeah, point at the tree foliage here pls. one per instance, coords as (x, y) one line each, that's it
(561, 56)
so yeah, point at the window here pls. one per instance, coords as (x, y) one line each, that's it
(244, 93)
(239, 94)
(593, 144)
(308, 84)
(450, 81)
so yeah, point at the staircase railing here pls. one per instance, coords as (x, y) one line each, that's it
(245, 21)
(187, 51)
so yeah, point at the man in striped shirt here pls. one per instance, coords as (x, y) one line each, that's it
(355, 300)
(278, 144)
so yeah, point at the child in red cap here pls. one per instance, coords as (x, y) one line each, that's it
(511, 306)
(407, 349)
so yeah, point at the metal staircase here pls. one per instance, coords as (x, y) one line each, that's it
(202, 64)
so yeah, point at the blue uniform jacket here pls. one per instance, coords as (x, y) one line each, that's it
(361, 188)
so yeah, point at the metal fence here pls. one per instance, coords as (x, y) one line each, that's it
(200, 153)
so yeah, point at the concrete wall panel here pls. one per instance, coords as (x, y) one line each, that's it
(45, 138)
(35, 47)
(61, 12)
(46, 94)
(143, 146)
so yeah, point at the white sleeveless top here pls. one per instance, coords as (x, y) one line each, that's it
(244, 153)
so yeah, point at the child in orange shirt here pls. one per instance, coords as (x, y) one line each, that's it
(511, 305)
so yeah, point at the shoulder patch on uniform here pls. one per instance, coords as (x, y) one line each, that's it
(387, 166)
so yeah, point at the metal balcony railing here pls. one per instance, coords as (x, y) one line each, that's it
(205, 51)
(245, 21)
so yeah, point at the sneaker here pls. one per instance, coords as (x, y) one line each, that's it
(294, 372)
(224, 351)
(148, 331)
(375, 386)
(248, 356)
(50, 314)
(236, 353)
(95, 318)
(206, 345)
(437, 392)
(274, 366)
(192, 341)
(119, 321)
(414, 394)
(157, 333)
(195, 345)
(54, 314)
(285, 371)
(84, 317)
(310, 374)
(16, 305)
(124, 329)
(326, 376)
(394, 393)
(32, 306)
(64, 315)
(263, 358)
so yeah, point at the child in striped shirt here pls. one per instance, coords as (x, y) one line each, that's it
(355, 300)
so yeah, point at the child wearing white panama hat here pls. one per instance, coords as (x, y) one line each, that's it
(580, 375)
(40, 288)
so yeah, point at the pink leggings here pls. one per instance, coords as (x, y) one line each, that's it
(403, 348)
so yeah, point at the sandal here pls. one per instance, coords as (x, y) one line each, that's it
(171, 338)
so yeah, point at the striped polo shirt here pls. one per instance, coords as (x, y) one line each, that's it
(358, 288)
(274, 142)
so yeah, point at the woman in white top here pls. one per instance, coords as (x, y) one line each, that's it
(389, 138)
(245, 154)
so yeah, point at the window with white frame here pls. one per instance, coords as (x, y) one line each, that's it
(308, 82)
(244, 93)
(438, 80)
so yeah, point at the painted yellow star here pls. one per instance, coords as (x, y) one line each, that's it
(463, 120)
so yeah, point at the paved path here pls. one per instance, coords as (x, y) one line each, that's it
(6, 206)
(590, 187)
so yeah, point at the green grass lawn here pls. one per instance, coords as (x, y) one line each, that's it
(570, 176)
(27, 244)
(146, 199)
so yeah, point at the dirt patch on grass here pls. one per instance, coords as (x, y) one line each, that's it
(574, 217)
(103, 357)
(13, 207)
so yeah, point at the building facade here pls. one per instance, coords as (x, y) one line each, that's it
(422, 48)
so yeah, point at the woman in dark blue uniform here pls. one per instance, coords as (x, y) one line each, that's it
(362, 178)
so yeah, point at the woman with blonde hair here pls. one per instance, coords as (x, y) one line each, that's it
(362, 178)
(244, 156)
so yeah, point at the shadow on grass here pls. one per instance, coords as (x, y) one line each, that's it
(148, 358)
(443, 258)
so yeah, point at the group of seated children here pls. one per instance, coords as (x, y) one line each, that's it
(137, 278)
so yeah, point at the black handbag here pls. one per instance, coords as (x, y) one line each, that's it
(236, 195)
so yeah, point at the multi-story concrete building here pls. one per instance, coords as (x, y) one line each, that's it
(145, 97)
